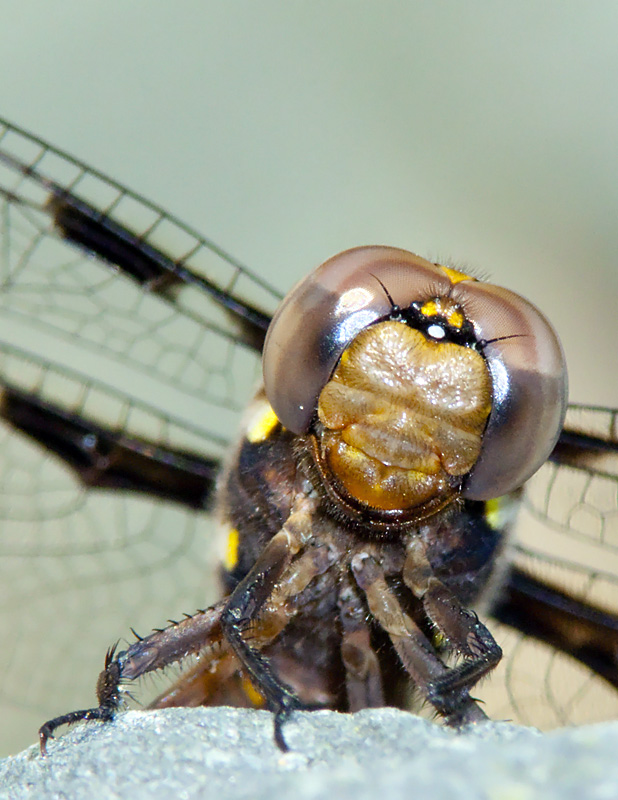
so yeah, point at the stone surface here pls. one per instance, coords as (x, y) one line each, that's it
(229, 753)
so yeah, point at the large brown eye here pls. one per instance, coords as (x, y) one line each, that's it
(321, 316)
(529, 381)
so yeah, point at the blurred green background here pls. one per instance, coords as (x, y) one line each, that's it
(482, 134)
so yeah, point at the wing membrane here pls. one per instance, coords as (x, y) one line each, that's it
(179, 314)
(128, 345)
(564, 588)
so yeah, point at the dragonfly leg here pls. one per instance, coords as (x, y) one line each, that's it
(446, 688)
(160, 649)
(263, 601)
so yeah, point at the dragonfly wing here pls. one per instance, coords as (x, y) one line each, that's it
(128, 346)
(566, 547)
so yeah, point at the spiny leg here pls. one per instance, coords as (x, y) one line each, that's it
(461, 628)
(264, 602)
(256, 612)
(197, 685)
(153, 652)
(416, 652)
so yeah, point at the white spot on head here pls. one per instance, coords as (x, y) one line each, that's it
(436, 331)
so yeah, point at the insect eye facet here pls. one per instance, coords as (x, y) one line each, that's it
(529, 380)
(324, 313)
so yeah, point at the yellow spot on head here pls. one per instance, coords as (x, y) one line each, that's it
(454, 275)
(230, 557)
(446, 308)
(264, 423)
(429, 309)
(455, 319)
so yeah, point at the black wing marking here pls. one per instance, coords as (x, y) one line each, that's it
(584, 632)
(172, 306)
(105, 458)
(121, 295)
(589, 441)
(129, 233)
(128, 347)
(563, 589)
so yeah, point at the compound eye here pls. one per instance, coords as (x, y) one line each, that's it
(529, 385)
(325, 311)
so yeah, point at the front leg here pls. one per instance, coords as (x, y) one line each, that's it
(263, 603)
(160, 649)
(362, 667)
(461, 628)
(417, 653)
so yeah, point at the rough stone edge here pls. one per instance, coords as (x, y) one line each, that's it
(229, 753)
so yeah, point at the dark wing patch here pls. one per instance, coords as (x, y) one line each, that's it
(105, 458)
(589, 441)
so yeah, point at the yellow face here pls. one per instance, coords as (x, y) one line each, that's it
(402, 415)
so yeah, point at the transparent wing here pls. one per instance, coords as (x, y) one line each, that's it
(114, 313)
(567, 536)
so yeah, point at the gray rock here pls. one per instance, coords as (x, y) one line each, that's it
(230, 753)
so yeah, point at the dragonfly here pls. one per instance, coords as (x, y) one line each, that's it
(129, 349)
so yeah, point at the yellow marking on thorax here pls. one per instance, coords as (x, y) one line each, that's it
(262, 425)
(438, 639)
(230, 556)
(496, 512)
(255, 697)
(454, 275)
